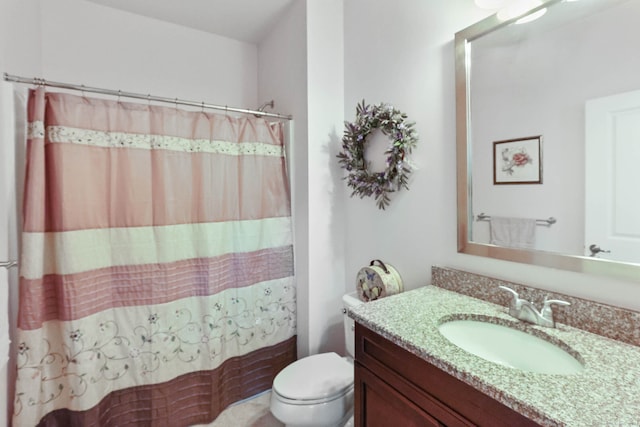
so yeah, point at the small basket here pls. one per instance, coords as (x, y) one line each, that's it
(378, 281)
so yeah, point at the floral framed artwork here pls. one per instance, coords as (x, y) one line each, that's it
(518, 161)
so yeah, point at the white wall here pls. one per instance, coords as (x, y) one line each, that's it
(401, 52)
(86, 43)
(301, 66)
(326, 85)
(282, 76)
(19, 54)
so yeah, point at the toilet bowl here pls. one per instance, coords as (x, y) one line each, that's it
(317, 391)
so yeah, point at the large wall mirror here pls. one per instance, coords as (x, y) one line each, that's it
(548, 137)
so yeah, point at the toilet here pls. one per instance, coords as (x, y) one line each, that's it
(317, 391)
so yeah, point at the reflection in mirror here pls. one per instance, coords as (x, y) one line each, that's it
(572, 78)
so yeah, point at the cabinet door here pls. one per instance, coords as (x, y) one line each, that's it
(426, 389)
(379, 405)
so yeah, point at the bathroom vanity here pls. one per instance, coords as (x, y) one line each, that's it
(408, 374)
(395, 387)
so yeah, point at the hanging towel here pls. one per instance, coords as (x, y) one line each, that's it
(513, 232)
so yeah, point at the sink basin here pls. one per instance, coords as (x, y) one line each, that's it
(510, 347)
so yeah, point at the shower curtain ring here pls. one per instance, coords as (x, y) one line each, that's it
(202, 106)
(119, 93)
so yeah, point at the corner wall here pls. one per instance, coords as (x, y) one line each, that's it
(325, 86)
(282, 76)
(20, 53)
(301, 65)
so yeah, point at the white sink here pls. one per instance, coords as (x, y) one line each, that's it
(510, 347)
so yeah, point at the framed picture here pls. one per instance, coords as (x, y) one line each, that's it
(518, 161)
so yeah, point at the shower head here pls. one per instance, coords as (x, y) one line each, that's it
(269, 104)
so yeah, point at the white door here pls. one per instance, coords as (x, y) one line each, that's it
(612, 182)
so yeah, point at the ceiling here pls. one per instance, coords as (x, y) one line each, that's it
(244, 20)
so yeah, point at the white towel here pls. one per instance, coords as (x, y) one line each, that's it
(513, 232)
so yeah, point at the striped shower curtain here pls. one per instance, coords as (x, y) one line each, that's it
(156, 272)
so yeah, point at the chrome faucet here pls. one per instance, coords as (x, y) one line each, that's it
(524, 310)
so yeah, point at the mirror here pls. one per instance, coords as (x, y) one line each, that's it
(547, 124)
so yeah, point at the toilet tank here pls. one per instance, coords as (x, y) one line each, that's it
(350, 300)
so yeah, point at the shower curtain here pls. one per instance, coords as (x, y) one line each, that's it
(156, 277)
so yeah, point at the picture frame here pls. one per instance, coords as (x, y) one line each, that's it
(518, 161)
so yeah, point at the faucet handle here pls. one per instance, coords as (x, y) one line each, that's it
(516, 302)
(546, 308)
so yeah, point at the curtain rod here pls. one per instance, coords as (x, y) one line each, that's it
(42, 82)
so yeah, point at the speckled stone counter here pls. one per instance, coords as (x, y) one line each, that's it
(605, 393)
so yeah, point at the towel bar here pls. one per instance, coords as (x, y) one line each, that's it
(548, 221)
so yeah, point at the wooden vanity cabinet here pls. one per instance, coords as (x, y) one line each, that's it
(395, 388)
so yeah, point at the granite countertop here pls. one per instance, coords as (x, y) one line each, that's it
(606, 392)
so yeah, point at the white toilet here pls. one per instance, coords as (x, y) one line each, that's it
(317, 391)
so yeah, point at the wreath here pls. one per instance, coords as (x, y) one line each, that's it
(403, 138)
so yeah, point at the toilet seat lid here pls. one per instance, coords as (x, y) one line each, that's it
(314, 377)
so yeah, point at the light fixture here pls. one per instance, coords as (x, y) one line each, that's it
(509, 9)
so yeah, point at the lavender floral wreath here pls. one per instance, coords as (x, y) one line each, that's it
(403, 138)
